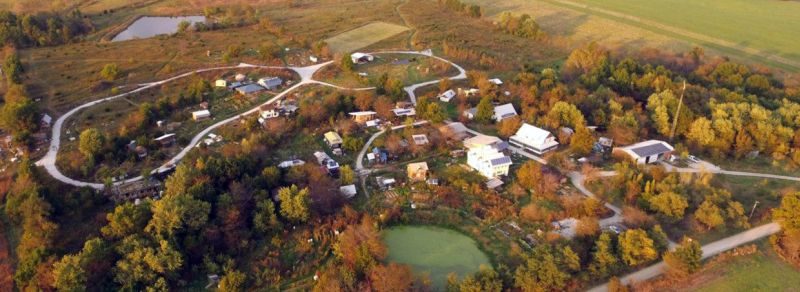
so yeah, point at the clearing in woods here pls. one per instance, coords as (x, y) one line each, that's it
(763, 31)
(363, 36)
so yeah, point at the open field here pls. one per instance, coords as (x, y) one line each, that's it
(355, 39)
(69, 75)
(741, 29)
(477, 44)
(410, 69)
(747, 190)
(762, 271)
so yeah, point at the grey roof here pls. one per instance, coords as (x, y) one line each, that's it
(652, 149)
(501, 146)
(501, 161)
(249, 88)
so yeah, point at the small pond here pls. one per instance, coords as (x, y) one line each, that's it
(435, 251)
(150, 26)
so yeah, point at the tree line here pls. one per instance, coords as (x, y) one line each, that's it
(472, 10)
(43, 29)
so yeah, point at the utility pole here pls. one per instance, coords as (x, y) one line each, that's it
(677, 113)
(753, 210)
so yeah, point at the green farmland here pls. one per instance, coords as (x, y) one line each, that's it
(363, 36)
(765, 31)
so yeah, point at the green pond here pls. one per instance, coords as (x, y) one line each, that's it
(434, 251)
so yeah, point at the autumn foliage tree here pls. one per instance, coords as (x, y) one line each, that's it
(636, 247)
(685, 259)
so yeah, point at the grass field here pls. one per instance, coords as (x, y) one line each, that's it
(410, 69)
(435, 251)
(761, 31)
(366, 35)
(762, 271)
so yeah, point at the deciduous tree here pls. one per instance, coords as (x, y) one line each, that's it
(110, 72)
(636, 247)
(294, 203)
(91, 142)
(686, 257)
(604, 260)
(391, 277)
(485, 110)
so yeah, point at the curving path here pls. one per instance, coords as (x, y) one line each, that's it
(49, 160)
(306, 77)
(410, 90)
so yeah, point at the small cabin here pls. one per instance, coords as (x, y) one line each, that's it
(201, 115)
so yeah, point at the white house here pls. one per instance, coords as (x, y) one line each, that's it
(533, 139)
(291, 163)
(240, 77)
(46, 120)
(496, 81)
(447, 96)
(313, 59)
(221, 83)
(201, 115)
(363, 117)
(650, 151)
(404, 112)
(361, 58)
(270, 83)
(348, 191)
(501, 112)
(484, 155)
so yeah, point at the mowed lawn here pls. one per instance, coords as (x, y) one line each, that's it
(366, 35)
(768, 25)
(762, 271)
(763, 31)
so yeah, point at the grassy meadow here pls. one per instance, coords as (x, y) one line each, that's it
(762, 271)
(762, 31)
(355, 39)
(410, 69)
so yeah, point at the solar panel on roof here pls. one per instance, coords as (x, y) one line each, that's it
(501, 161)
(650, 150)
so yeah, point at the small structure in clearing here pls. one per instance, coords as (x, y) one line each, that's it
(333, 139)
(201, 115)
(270, 83)
(166, 140)
(447, 96)
(417, 171)
(363, 117)
(361, 58)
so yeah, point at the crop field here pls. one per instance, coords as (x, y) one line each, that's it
(761, 31)
(363, 36)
